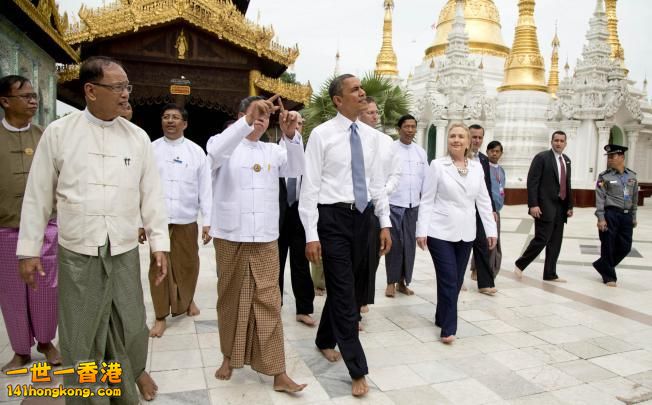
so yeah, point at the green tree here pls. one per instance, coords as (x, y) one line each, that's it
(392, 100)
(288, 77)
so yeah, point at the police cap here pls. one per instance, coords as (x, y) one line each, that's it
(613, 148)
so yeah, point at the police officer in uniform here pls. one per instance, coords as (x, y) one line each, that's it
(616, 196)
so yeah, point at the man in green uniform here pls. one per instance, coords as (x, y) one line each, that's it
(616, 196)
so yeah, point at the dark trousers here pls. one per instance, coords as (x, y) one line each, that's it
(481, 256)
(548, 235)
(616, 242)
(293, 238)
(450, 259)
(365, 280)
(344, 237)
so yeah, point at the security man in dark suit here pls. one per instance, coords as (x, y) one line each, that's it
(616, 197)
(550, 202)
(292, 238)
(480, 267)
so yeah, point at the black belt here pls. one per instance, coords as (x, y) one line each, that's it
(348, 206)
(618, 209)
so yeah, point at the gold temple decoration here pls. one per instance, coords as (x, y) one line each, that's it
(219, 17)
(299, 93)
(617, 51)
(67, 73)
(482, 25)
(386, 60)
(46, 16)
(553, 79)
(181, 45)
(524, 67)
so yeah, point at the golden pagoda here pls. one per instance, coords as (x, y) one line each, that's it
(524, 68)
(386, 60)
(482, 25)
(617, 51)
(553, 79)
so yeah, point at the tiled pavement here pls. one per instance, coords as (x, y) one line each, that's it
(532, 343)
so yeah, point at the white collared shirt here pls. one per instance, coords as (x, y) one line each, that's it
(414, 166)
(297, 136)
(328, 177)
(103, 178)
(391, 162)
(186, 179)
(11, 128)
(245, 183)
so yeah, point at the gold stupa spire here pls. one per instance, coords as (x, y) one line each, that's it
(482, 24)
(524, 67)
(386, 60)
(553, 79)
(617, 51)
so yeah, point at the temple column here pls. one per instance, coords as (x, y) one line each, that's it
(253, 76)
(489, 134)
(604, 128)
(632, 132)
(422, 132)
(442, 145)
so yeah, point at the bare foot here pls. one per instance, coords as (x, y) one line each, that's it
(319, 292)
(364, 309)
(283, 383)
(403, 289)
(518, 273)
(359, 387)
(474, 275)
(610, 284)
(390, 291)
(146, 386)
(448, 339)
(360, 328)
(306, 319)
(193, 310)
(158, 329)
(488, 290)
(225, 370)
(17, 361)
(331, 355)
(51, 353)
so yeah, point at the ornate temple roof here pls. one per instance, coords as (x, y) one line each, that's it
(222, 18)
(482, 24)
(41, 19)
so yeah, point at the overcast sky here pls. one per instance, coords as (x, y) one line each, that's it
(320, 27)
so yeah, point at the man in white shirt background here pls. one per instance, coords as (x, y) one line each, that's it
(404, 207)
(244, 225)
(292, 239)
(186, 180)
(99, 170)
(343, 181)
(365, 282)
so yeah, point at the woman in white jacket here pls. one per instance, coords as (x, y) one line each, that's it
(454, 187)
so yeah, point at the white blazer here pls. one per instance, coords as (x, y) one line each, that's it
(449, 200)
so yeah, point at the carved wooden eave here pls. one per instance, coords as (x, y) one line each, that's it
(43, 24)
(218, 17)
(296, 92)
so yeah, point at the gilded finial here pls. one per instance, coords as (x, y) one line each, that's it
(386, 62)
(567, 66)
(553, 79)
(524, 68)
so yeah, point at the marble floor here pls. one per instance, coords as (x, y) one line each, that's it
(532, 343)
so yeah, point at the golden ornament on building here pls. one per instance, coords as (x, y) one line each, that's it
(386, 61)
(524, 67)
(181, 46)
(482, 25)
(553, 79)
(219, 17)
(299, 93)
(617, 51)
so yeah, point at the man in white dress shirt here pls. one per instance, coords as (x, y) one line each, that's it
(365, 283)
(186, 179)
(404, 207)
(98, 170)
(342, 188)
(244, 223)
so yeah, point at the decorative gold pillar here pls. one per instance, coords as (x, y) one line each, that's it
(386, 60)
(524, 68)
(253, 76)
(617, 51)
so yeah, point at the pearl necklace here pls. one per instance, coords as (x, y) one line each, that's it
(463, 171)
